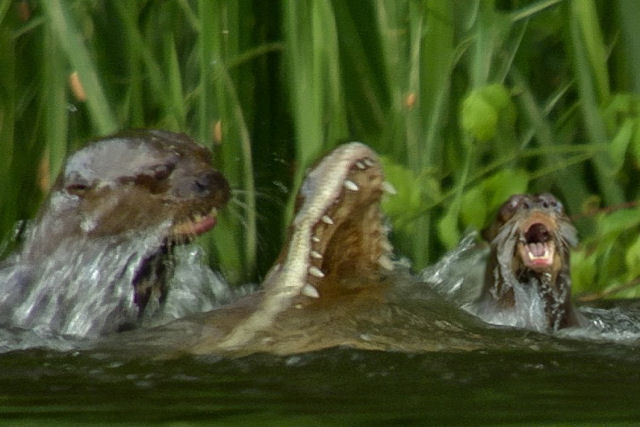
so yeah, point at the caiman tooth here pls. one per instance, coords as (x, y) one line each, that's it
(315, 239)
(369, 162)
(327, 219)
(315, 254)
(316, 272)
(389, 188)
(361, 165)
(310, 291)
(350, 185)
(386, 246)
(385, 262)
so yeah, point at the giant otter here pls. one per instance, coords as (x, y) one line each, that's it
(96, 258)
(333, 284)
(527, 279)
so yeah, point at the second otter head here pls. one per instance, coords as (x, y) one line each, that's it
(541, 228)
(529, 264)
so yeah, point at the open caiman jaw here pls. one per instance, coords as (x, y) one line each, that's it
(336, 231)
(536, 244)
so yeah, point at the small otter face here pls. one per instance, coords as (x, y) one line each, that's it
(138, 180)
(542, 230)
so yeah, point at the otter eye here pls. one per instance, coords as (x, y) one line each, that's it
(77, 185)
(77, 188)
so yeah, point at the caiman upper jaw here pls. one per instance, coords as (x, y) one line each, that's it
(338, 229)
(350, 239)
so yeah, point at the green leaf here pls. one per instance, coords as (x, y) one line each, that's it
(619, 145)
(482, 110)
(474, 208)
(619, 221)
(413, 192)
(583, 271)
(448, 230)
(632, 258)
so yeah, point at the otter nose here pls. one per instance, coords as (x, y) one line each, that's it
(212, 183)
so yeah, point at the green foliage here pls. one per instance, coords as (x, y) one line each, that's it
(609, 260)
(483, 108)
(468, 102)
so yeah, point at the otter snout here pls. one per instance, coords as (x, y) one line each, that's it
(211, 183)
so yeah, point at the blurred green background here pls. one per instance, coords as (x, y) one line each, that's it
(467, 101)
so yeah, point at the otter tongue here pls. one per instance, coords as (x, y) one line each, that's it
(537, 249)
(539, 254)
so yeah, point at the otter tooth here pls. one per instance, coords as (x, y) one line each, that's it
(327, 219)
(315, 239)
(385, 262)
(350, 185)
(315, 271)
(315, 254)
(360, 165)
(386, 186)
(310, 291)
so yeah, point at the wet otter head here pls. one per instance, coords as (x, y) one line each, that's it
(117, 208)
(530, 243)
(134, 182)
(337, 244)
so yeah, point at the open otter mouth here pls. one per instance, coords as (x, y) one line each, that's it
(536, 246)
(195, 226)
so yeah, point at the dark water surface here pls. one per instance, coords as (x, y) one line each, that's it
(595, 383)
(589, 375)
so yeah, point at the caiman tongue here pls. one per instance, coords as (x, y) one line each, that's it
(337, 232)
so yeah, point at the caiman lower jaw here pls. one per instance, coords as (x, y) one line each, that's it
(198, 224)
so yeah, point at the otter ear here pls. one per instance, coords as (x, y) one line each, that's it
(504, 214)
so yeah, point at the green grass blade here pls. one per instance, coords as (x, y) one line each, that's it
(66, 32)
